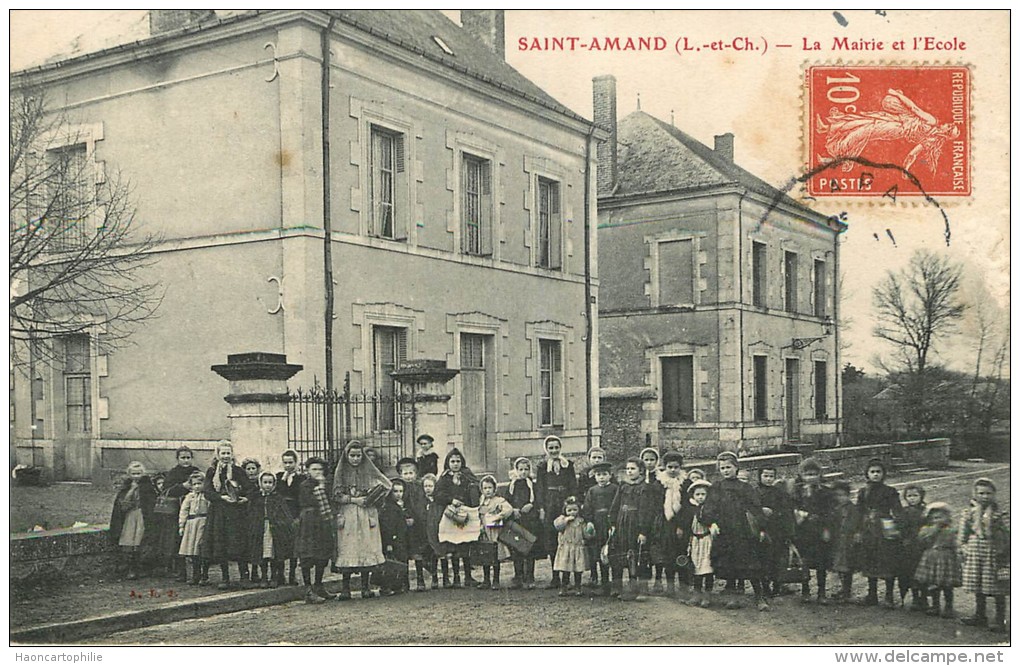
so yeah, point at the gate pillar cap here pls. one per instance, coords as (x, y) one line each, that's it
(257, 365)
(424, 371)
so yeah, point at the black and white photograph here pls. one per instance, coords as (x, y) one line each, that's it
(479, 327)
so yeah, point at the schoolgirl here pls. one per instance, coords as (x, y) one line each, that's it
(315, 543)
(571, 556)
(844, 521)
(288, 484)
(733, 510)
(493, 511)
(176, 484)
(554, 483)
(394, 526)
(418, 548)
(586, 470)
(598, 502)
(132, 512)
(457, 488)
(938, 571)
(812, 504)
(225, 539)
(631, 517)
(777, 506)
(879, 512)
(673, 481)
(650, 460)
(164, 525)
(984, 545)
(358, 489)
(912, 518)
(522, 495)
(433, 513)
(698, 536)
(191, 526)
(270, 531)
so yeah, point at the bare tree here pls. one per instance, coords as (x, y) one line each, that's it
(77, 261)
(918, 306)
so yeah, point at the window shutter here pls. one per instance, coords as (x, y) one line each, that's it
(555, 228)
(401, 347)
(486, 203)
(374, 183)
(559, 387)
(465, 167)
(398, 153)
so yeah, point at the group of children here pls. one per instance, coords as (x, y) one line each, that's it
(658, 520)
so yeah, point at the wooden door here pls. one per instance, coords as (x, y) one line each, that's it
(792, 399)
(475, 388)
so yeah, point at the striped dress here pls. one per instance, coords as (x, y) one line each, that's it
(984, 545)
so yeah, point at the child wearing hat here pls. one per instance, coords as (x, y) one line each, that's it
(428, 460)
(734, 509)
(878, 535)
(586, 470)
(939, 568)
(812, 504)
(984, 544)
(698, 536)
(598, 501)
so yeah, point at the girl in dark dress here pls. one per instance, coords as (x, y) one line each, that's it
(523, 498)
(175, 486)
(457, 487)
(554, 483)
(779, 525)
(733, 508)
(879, 512)
(912, 519)
(586, 469)
(418, 548)
(132, 514)
(650, 460)
(812, 504)
(394, 516)
(225, 537)
(673, 481)
(433, 514)
(630, 518)
(270, 531)
(316, 533)
(598, 502)
(844, 525)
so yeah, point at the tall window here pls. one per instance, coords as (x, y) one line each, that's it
(549, 224)
(678, 389)
(71, 199)
(387, 161)
(78, 383)
(476, 208)
(820, 293)
(390, 352)
(550, 372)
(821, 396)
(790, 283)
(676, 272)
(761, 388)
(759, 273)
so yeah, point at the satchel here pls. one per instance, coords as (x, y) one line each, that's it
(794, 571)
(482, 552)
(458, 516)
(517, 538)
(167, 505)
(376, 496)
(391, 574)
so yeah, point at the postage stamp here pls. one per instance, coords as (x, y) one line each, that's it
(888, 131)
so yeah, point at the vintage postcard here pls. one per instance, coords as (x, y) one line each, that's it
(482, 327)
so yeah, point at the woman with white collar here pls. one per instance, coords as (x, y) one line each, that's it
(555, 482)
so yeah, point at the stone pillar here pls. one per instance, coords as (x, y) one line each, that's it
(425, 382)
(258, 404)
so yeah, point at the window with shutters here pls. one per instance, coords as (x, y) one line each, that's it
(820, 292)
(821, 393)
(676, 272)
(72, 198)
(761, 388)
(476, 205)
(759, 273)
(78, 383)
(550, 374)
(389, 353)
(387, 183)
(790, 281)
(550, 225)
(677, 389)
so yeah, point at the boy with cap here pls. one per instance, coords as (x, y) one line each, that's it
(598, 500)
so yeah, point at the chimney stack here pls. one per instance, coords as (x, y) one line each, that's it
(604, 106)
(488, 27)
(724, 146)
(167, 20)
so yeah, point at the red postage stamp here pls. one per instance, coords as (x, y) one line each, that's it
(891, 131)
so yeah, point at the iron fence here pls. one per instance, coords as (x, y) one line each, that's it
(321, 423)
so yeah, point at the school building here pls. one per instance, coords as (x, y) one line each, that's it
(456, 195)
(718, 300)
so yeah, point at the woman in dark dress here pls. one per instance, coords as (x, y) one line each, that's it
(878, 507)
(523, 498)
(734, 508)
(554, 483)
(225, 539)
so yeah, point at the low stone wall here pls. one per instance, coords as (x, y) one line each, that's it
(851, 460)
(933, 453)
(620, 414)
(784, 463)
(59, 552)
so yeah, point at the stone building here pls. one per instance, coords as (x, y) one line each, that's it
(717, 299)
(454, 193)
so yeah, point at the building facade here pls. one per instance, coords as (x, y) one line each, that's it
(718, 297)
(451, 188)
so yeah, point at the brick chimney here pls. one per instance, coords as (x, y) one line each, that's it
(604, 106)
(488, 27)
(167, 20)
(724, 146)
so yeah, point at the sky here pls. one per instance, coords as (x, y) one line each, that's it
(758, 96)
